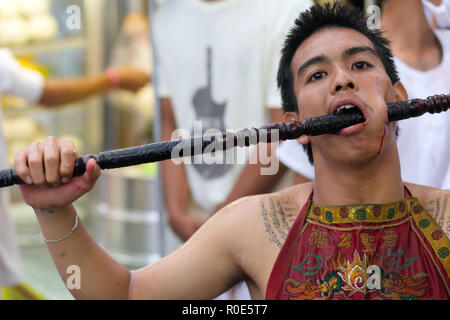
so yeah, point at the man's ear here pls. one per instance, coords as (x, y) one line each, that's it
(293, 116)
(400, 92)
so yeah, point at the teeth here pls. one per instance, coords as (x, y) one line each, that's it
(345, 107)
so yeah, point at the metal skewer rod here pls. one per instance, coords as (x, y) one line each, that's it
(161, 151)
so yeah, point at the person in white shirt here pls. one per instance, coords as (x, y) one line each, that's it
(422, 56)
(217, 62)
(437, 13)
(18, 81)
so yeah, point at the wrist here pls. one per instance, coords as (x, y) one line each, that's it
(55, 223)
(113, 78)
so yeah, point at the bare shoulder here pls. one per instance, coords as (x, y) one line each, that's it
(436, 201)
(271, 215)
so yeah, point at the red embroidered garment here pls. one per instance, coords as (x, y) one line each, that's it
(380, 251)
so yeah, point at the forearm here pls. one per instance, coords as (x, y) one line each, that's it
(63, 91)
(100, 276)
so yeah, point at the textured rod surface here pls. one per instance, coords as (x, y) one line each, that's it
(161, 151)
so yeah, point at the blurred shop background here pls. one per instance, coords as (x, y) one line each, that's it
(70, 38)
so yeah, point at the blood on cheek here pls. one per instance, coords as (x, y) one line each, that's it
(382, 140)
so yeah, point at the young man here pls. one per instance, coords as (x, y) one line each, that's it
(422, 59)
(353, 233)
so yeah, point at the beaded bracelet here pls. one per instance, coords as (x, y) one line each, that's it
(64, 237)
(113, 77)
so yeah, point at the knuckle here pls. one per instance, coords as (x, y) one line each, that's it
(39, 180)
(35, 146)
(70, 153)
(66, 171)
(51, 159)
(22, 171)
(19, 157)
(53, 180)
(34, 160)
(50, 139)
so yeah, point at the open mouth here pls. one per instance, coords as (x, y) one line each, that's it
(350, 110)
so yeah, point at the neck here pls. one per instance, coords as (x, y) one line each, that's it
(412, 39)
(376, 181)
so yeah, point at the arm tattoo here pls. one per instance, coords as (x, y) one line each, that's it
(44, 210)
(438, 208)
(278, 222)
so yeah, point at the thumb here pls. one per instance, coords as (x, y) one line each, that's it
(91, 175)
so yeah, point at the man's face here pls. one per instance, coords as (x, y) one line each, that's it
(339, 66)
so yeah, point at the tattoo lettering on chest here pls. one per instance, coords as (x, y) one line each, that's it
(278, 217)
(438, 208)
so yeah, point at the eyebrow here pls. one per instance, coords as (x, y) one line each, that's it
(346, 54)
(310, 62)
(355, 50)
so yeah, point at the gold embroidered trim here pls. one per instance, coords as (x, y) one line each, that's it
(361, 212)
(328, 226)
(431, 257)
(435, 236)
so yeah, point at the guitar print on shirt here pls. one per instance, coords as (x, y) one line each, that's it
(211, 115)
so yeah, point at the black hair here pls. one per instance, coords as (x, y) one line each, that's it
(317, 18)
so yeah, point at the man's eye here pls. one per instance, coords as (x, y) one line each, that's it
(317, 76)
(361, 65)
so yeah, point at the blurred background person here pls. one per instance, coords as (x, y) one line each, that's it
(218, 62)
(93, 60)
(437, 13)
(217, 66)
(30, 85)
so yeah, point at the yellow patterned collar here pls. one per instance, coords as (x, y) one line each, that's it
(352, 213)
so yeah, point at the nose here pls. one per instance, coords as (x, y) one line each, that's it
(343, 81)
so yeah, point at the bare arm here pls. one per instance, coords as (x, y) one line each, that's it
(175, 184)
(62, 91)
(47, 163)
(203, 268)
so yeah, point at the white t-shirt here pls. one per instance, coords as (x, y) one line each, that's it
(18, 81)
(423, 143)
(437, 14)
(218, 63)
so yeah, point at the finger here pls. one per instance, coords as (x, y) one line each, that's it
(51, 161)
(92, 173)
(21, 166)
(36, 163)
(68, 156)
